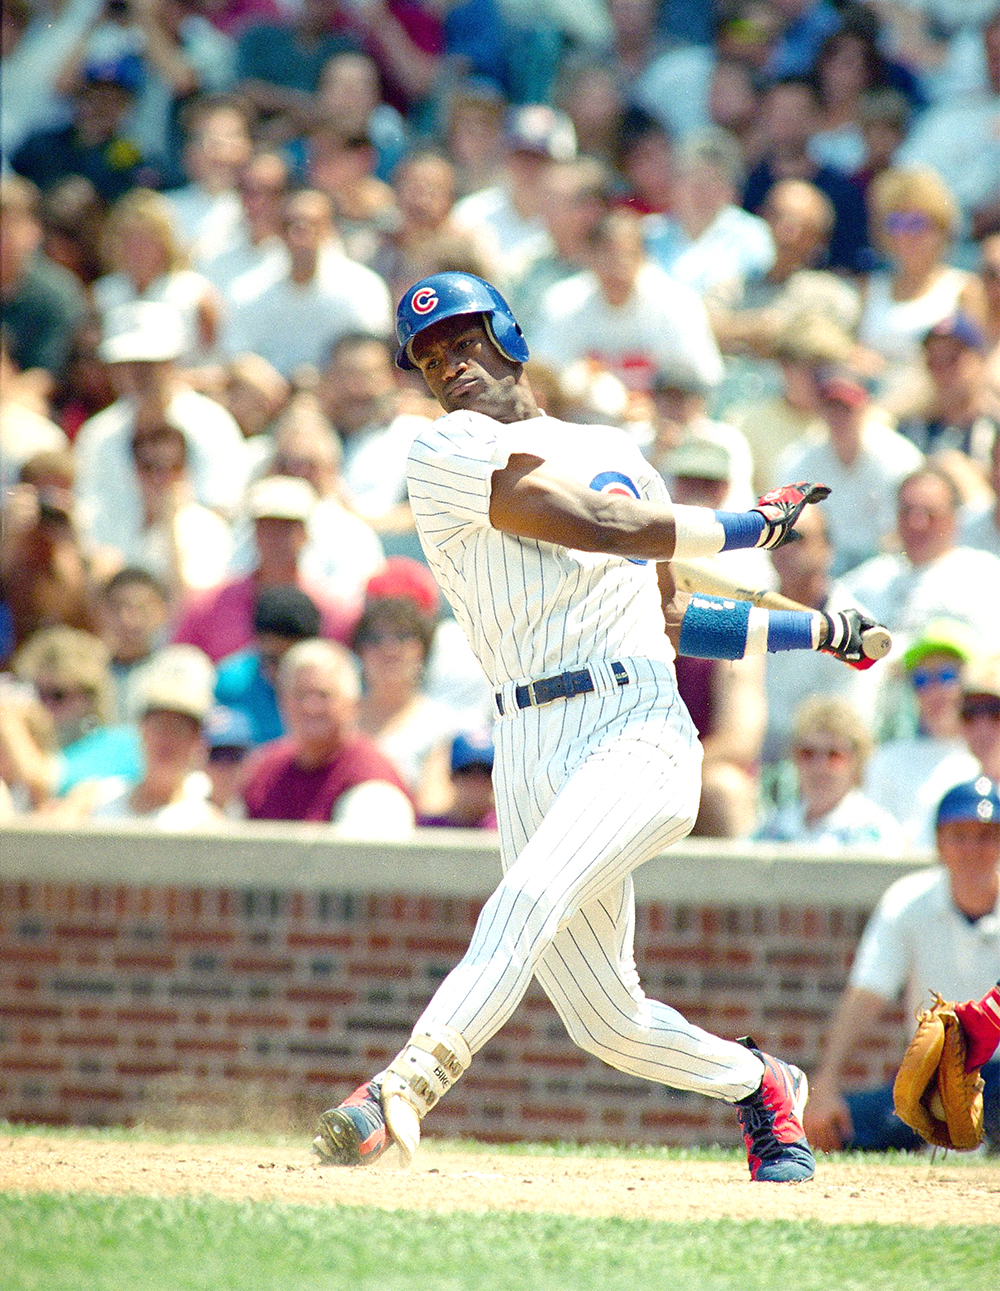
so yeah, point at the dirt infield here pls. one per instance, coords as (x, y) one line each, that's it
(918, 1192)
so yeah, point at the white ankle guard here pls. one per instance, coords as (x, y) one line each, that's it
(426, 1068)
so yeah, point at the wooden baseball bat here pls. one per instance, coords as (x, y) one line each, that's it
(704, 576)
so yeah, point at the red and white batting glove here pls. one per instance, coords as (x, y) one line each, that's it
(980, 1021)
(782, 507)
(844, 629)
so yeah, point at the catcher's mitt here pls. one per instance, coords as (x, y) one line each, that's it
(933, 1093)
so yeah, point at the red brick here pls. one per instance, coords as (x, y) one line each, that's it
(79, 1093)
(454, 947)
(85, 932)
(277, 1020)
(152, 1016)
(320, 995)
(191, 1044)
(260, 964)
(29, 955)
(318, 1024)
(148, 1069)
(39, 1065)
(379, 968)
(320, 940)
(25, 983)
(88, 1041)
(546, 1058)
(146, 963)
(30, 1011)
(657, 1118)
(201, 937)
(560, 1115)
(276, 1074)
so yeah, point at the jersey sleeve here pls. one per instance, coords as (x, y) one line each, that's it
(450, 469)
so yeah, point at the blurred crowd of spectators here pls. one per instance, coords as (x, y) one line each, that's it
(762, 235)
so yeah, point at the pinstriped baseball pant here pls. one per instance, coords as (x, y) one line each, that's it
(588, 789)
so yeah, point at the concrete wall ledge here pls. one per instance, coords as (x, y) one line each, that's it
(451, 863)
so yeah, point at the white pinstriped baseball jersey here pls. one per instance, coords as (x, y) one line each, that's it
(531, 609)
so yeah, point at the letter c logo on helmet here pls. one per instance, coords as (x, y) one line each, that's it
(423, 300)
(449, 295)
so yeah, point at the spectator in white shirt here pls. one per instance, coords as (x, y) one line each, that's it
(146, 263)
(909, 776)
(295, 318)
(931, 577)
(709, 242)
(142, 341)
(182, 543)
(206, 211)
(173, 701)
(508, 215)
(341, 552)
(958, 138)
(626, 313)
(253, 243)
(860, 458)
(830, 748)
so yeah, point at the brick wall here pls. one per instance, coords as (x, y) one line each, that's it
(112, 993)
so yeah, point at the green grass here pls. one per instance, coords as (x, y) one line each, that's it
(50, 1243)
(135, 1243)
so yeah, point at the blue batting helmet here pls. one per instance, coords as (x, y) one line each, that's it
(446, 295)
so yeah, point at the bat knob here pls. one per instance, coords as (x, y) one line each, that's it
(876, 642)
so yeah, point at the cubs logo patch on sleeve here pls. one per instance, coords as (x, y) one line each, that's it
(614, 482)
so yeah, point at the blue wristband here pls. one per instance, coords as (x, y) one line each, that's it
(713, 628)
(789, 630)
(742, 528)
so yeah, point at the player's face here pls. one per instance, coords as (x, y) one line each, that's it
(464, 369)
(969, 845)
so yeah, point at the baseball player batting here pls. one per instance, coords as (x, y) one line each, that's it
(552, 542)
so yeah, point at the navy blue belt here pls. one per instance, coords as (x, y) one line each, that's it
(563, 686)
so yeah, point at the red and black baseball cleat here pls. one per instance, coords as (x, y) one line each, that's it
(771, 1120)
(353, 1133)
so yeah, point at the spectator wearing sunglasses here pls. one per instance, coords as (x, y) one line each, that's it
(909, 776)
(914, 219)
(830, 749)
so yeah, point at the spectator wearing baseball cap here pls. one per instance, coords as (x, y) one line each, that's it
(861, 458)
(940, 927)
(472, 805)
(94, 144)
(172, 698)
(245, 681)
(959, 412)
(141, 342)
(908, 775)
(220, 621)
(508, 215)
(229, 740)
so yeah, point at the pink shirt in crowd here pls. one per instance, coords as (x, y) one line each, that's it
(277, 788)
(220, 620)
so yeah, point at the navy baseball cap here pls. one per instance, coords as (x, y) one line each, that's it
(228, 728)
(472, 749)
(973, 800)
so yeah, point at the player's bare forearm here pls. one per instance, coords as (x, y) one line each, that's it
(529, 500)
